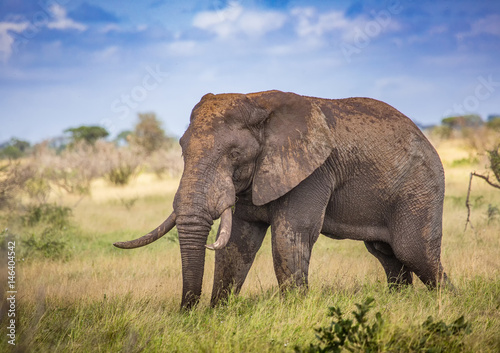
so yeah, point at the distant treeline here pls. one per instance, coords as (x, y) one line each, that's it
(147, 134)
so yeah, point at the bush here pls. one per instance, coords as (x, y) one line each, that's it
(494, 157)
(347, 334)
(433, 337)
(359, 336)
(49, 245)
(494, 124)
(51, 214)
(13, 178)
(442, 132)
(120, 175)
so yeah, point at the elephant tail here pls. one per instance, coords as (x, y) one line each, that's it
(152, 236)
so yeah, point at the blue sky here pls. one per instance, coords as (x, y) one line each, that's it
(65, 63)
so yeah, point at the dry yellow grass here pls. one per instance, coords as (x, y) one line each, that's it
(343, 269)
(465, 254)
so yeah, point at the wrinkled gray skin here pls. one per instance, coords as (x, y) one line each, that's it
(349, 169)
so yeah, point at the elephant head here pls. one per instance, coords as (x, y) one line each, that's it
(261, 143)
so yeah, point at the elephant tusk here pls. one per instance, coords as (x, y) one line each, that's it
(152, 236)
(226, 220)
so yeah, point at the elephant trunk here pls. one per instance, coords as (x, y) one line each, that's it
(192, 240)
(197, 203)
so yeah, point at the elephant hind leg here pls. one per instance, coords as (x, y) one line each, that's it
(416, 241)
(398, 275)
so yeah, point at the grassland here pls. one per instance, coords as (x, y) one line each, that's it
(91, 297)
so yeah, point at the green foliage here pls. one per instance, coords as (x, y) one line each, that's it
(121, 175)
(50, 245)
(492, 213)
(494, 157)
(433, 337)
(49, 225)
(359, 336)
(494, 124)
(123, 137)
(54, 215)
(38, 188)
(463, 121)
(15, 149)
(464, 162)
(148, 133)
(89, 134)
(355, 336)
(129, 203)
(442, 131)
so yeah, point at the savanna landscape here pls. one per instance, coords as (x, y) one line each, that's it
(65, 207)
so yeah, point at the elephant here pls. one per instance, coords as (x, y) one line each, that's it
(353, 168)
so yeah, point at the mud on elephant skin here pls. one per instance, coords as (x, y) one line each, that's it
(351, 168)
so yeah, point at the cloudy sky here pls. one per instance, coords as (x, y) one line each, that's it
(65, 63)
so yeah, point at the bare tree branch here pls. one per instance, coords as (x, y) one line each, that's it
(487, 179)
(467, 204)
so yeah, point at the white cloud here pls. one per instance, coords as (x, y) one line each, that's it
(7, 39)
(488, 25)
(61, 21)
(234, 20)
(310, 23)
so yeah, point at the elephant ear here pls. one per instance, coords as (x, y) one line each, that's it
(297, 140)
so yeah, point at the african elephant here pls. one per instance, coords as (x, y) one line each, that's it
(351, 168)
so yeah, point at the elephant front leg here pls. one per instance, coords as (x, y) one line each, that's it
(295, 228)
(234, 261)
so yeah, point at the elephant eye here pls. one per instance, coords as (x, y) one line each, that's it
(235, 154)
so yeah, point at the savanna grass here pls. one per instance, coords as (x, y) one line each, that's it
(103, 299)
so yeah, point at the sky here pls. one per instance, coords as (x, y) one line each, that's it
(67, 63)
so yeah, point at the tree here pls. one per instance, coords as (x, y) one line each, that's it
(123, 137)
(148, 133)
(15, 149)
(492, 117)
(89, 134)
(463, 121)
(494, 122)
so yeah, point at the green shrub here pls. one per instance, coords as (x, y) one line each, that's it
(54, 215)
(347, 334)
(494, 124)
(359, 335)
(49, 245)
(494, 157)
(492, 213)
(442, 131)
(120, 175)
(129, 203)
